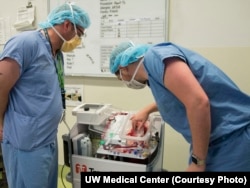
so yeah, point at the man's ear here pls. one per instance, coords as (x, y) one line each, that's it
(67, 25)
(124, 70)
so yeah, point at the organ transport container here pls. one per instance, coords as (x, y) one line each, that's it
(104, 139)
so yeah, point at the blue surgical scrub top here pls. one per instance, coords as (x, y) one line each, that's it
(35, 105)
(230, 107)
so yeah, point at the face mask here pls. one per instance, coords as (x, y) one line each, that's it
(70, 45)
(134, 84)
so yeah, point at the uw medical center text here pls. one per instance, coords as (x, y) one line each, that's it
(176, 179)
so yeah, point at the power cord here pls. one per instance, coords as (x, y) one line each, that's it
(62, 179)
(63, 119)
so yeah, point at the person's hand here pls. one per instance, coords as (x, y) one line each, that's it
(195, 168)
(139, 119)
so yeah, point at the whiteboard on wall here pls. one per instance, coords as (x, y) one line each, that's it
(112, 22)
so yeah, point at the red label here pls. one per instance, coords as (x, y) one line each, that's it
(80, 168)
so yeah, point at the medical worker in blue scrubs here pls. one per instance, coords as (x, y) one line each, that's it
(194, 97)
(31, 95)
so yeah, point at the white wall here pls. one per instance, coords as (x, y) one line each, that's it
(220, 30)
(9, 9)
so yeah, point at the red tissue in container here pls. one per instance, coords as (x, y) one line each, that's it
(136, 137)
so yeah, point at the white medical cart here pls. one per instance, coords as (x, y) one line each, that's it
(90, 131)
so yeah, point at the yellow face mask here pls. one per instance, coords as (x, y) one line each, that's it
(71, 44)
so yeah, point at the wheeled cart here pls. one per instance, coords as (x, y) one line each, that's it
(103, 139)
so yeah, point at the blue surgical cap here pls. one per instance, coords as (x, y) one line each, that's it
(115, 56)
(133, 54)
(63, 12)
(124, 54)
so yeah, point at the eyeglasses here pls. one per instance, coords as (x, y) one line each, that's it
(80, 32)
(118, 75)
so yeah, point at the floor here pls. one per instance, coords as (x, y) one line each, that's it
(62, 173)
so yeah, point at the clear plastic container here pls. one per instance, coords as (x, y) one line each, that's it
(134, 135)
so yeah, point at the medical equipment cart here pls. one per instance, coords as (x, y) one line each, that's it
(102, 139)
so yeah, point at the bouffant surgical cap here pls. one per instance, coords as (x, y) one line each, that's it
(115, 56)
(64, 12)
(133, 54)
(124, 54)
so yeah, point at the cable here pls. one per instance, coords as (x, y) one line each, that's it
(63, 119)
(62, 179)
(65, 122)
(62, 176)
